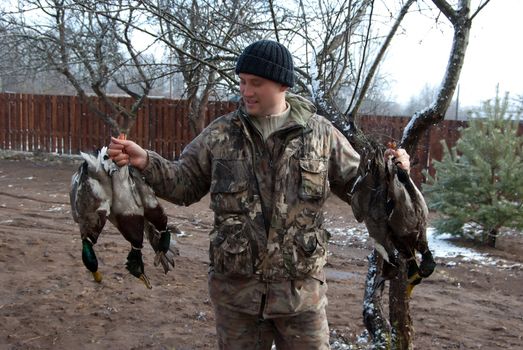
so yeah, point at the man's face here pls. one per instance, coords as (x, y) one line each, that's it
(262, 96)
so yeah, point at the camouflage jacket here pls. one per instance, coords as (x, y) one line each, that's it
(267, 196)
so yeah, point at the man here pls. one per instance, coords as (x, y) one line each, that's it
(269, 167)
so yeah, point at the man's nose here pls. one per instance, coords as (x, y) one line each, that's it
(246, 91)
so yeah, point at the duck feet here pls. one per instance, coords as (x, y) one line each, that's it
(166, 251)
(165, 240)
(135, 266)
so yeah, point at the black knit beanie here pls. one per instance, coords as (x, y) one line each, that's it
(267, 59)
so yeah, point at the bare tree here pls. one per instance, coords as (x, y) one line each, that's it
(93, 52)
(20, 71)
(461, 19)
(397, 333)
(202, 39)
(331, 37)
(205, 37)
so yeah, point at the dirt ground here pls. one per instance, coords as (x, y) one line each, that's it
(48, 300)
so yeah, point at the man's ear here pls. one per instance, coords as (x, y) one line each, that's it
(283, 88)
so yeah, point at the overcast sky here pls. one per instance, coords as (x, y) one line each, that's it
(494, 54)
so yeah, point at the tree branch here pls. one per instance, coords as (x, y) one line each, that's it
(360, 70)
(274, 22)
(446, 9)
(479, 9)
(435, 113)
(377, 60)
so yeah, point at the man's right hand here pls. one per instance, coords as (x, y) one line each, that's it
(126, 152)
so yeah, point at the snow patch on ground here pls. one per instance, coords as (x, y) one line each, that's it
(56, 208)
(441, 246)
(346, 235)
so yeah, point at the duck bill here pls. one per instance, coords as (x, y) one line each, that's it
(410, 288)
(413, 281)
(97, 276)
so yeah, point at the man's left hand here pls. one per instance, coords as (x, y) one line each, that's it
(400, 157)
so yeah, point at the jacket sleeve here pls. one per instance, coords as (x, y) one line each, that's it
(184, 181)
(343, 165)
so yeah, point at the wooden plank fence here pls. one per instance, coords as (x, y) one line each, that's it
(65, 125)
(429, 148)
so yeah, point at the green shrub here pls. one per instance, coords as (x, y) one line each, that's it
(479, 182)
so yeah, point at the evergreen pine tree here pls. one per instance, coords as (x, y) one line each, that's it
(479, 182)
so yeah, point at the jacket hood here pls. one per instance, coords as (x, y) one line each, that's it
(301, 108)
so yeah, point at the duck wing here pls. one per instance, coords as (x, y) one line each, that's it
(90, 201)
(156, 230)
(127, 212)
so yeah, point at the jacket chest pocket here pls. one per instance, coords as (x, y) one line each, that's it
(231, 250)
(314, 182)
(229, 186)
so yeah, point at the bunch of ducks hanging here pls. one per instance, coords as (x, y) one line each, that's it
(101, 190)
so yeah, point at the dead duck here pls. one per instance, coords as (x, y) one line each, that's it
(408, 222)
(127, 214)
(156, 228)
(394, 211)
(135, 210)
(91, 200)
(101, 191)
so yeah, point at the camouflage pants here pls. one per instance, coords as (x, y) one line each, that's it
(240, 331)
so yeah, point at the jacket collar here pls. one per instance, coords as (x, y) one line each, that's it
(301, 110)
